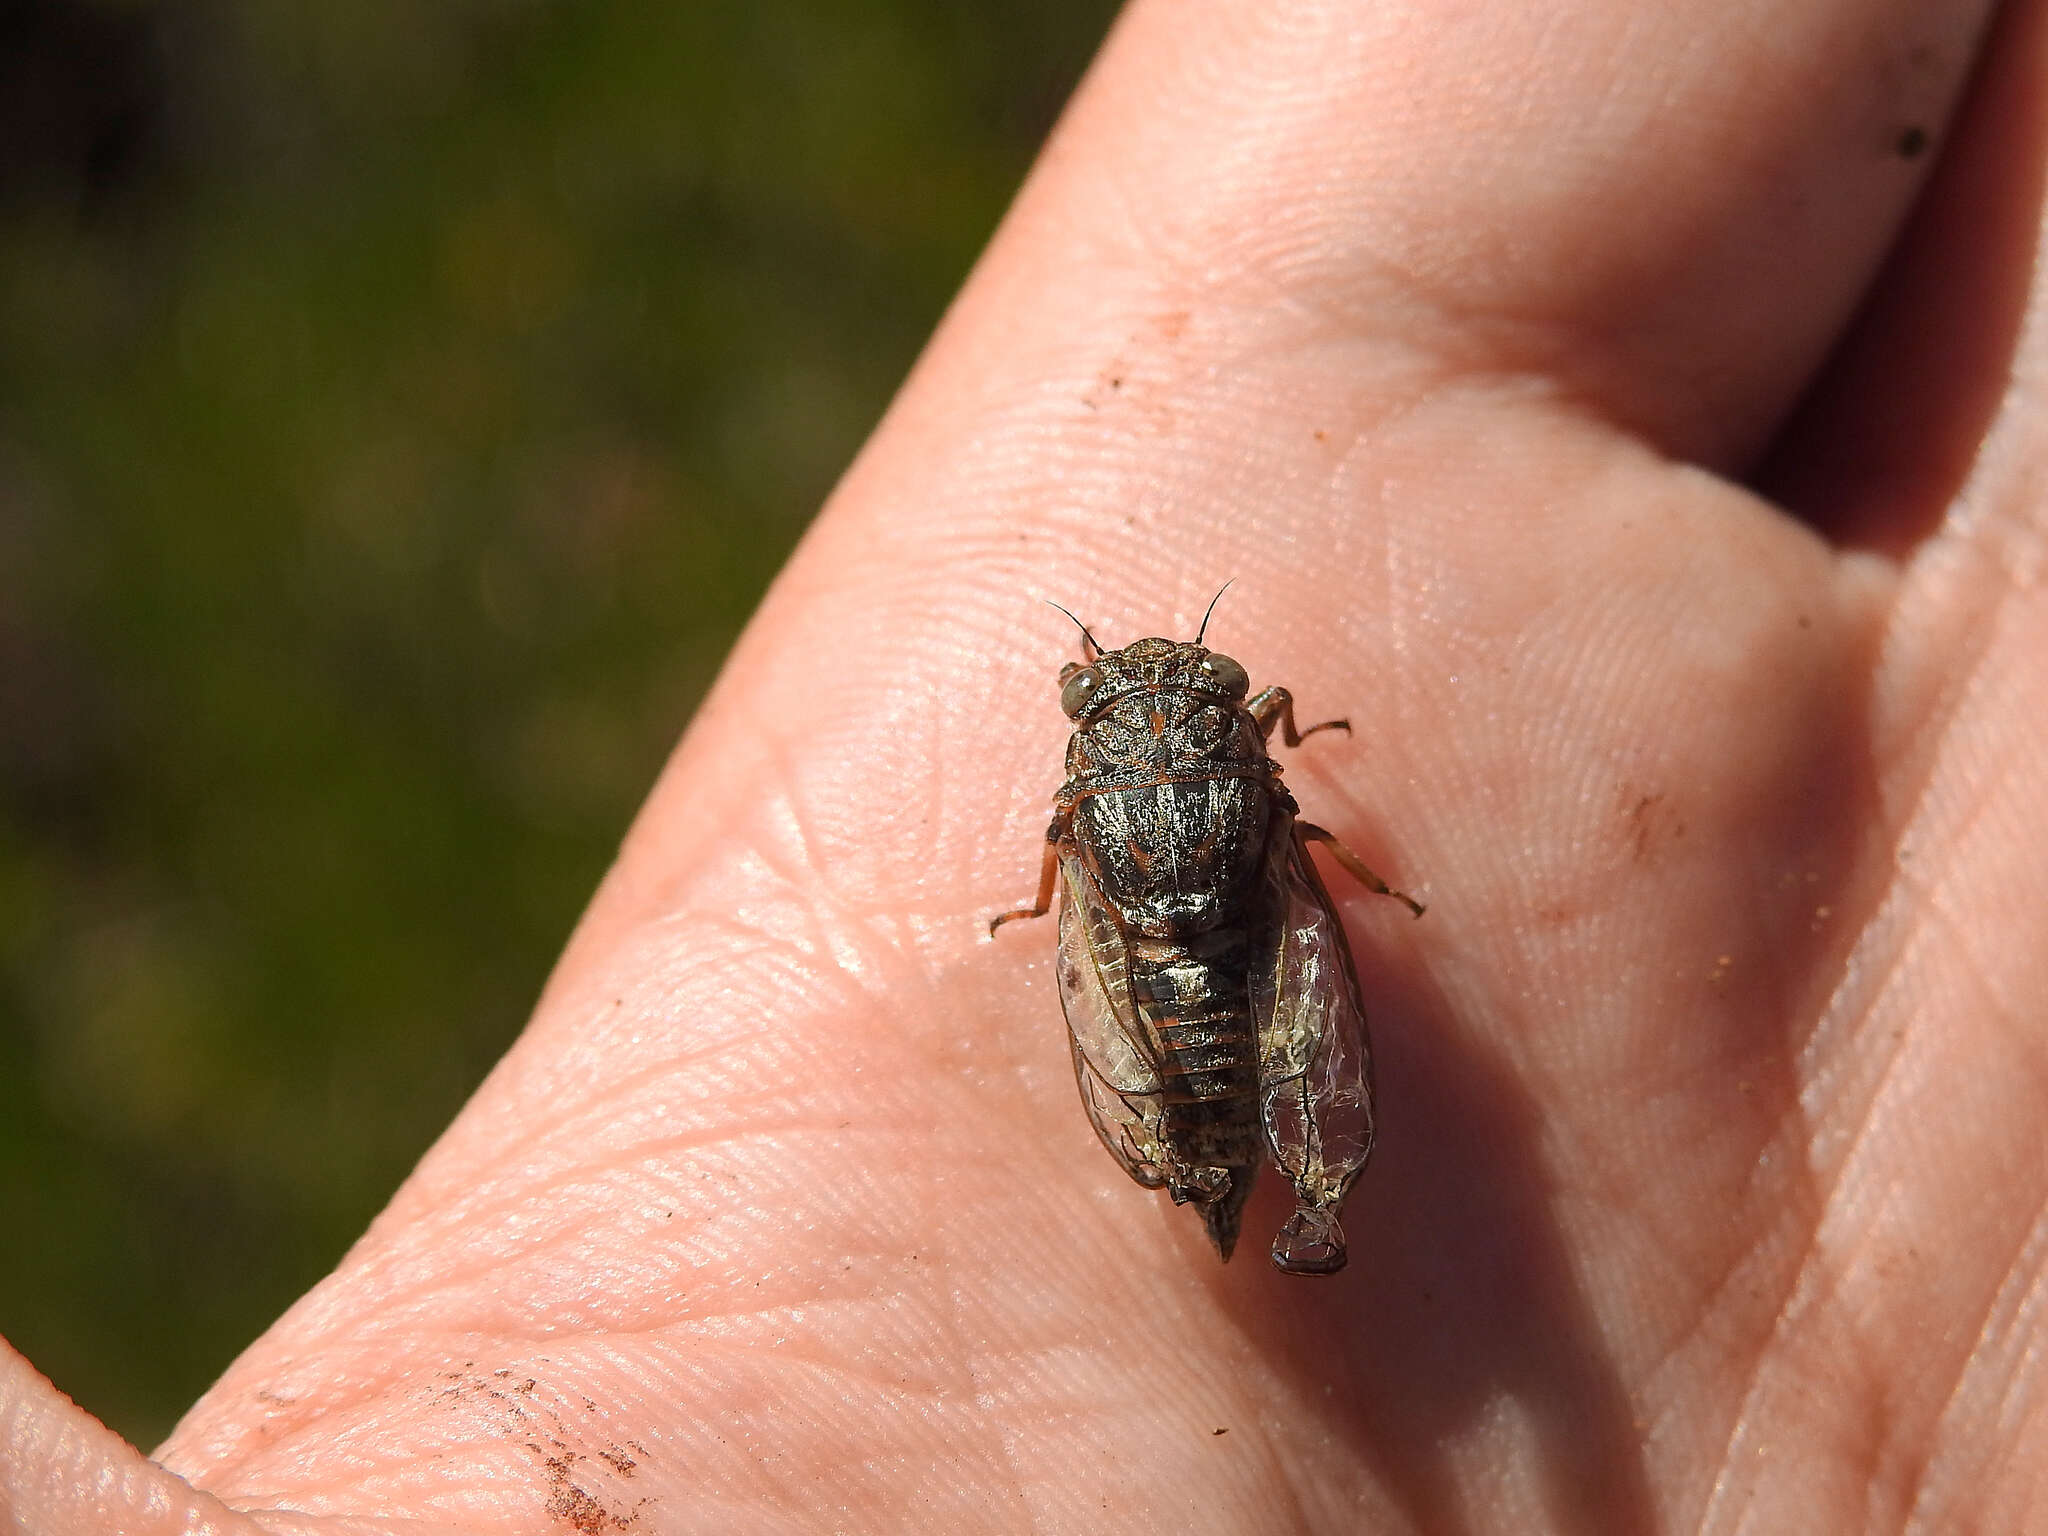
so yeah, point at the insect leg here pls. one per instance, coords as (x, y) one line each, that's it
(1048, 876)
(1275, 706)
(1311, 833)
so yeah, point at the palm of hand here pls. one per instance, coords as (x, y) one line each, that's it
(1710, 1188)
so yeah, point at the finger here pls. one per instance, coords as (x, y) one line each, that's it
(1665, 213)
(1877, 452)
(61, 1471)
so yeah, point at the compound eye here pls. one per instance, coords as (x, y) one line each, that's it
(1227, 675)
(1078, 688)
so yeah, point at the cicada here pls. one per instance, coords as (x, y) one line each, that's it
(1211, 998)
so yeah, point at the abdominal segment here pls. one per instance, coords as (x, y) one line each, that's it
(1194, 1000)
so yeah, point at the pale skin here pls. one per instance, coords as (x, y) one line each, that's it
(1711, 1182)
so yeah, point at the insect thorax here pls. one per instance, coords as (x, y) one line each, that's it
(1172, 800)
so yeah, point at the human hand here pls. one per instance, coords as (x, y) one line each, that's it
(1710, 1185)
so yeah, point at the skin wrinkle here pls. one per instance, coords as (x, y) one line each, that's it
(979, 1377)
(1855, 1155)
(503, 1138)
(780, 840)
(1970, 640)
(812, 882)
(1808, 1278)
(2034, 1302)
(427, 1241)
(1520, 355)
(1718, 1320)
(1289, 1471)
(597, 1109)
(1956, 819)
(451, 1276)
(1897, 1470)
(834, 1380)
(1938, 725)
(1135, 1305)
(1862, 1122)
(1941, 721)
(1016, 1370)
(954, 1328)
(693, 1329)
(2005, 1010)
(1908, 1479)
(2027, 1260)
(1416, 394)
(1821, 1080)
(281, 1521)
(708, 1351)
(1645, 1214)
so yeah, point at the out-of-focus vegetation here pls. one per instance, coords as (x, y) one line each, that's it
(402, 404)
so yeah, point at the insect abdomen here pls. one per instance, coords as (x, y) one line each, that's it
(1197, 1006)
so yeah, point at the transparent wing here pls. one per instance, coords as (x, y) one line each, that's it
(1315, 1067)
(1114, 1065)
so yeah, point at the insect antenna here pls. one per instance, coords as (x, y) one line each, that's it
(1094, 646)
(1212, 608)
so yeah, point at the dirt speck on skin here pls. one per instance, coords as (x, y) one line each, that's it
(587, 1504)
(574, 1506)
(1639, 817)
(1650, 822)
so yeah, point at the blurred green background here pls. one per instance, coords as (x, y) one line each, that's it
(402, 405)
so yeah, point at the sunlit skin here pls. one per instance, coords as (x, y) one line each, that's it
(1711, 1175)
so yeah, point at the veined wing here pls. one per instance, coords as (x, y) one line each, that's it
(1315, 1067)
(1114, 1064)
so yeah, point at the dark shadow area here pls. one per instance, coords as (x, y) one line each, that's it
(1877, 450)
(1459, 1294)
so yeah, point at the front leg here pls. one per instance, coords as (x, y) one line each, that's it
(1309, 832)
(1048, 873)
(1275, 706)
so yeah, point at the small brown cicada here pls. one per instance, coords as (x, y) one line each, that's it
(1209, 991)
